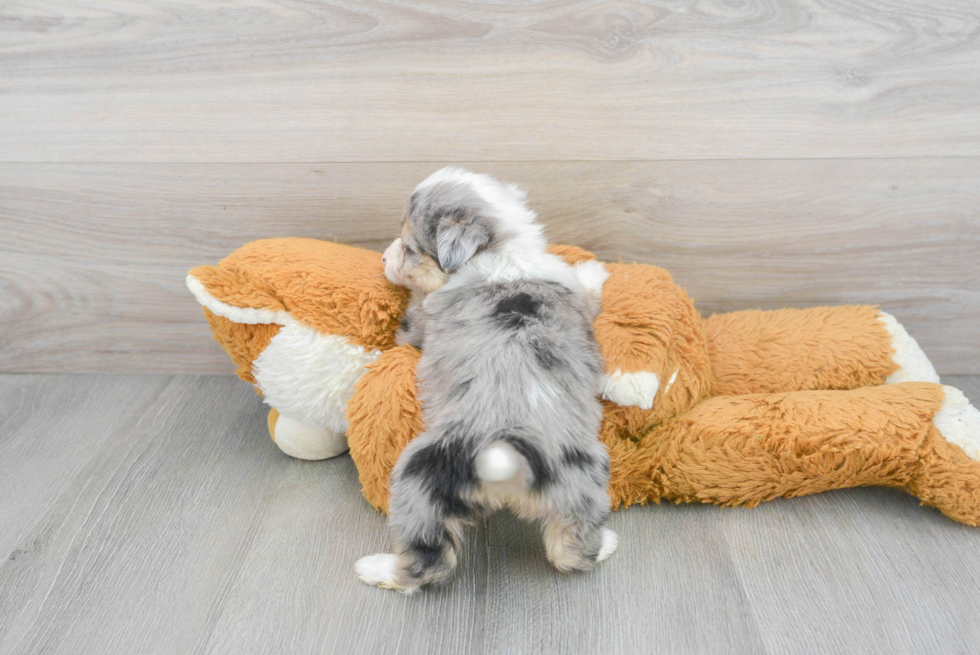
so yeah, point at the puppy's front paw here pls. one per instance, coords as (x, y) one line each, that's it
(380, 570)
(610, 541)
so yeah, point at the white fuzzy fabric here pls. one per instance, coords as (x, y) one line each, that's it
(593, 275)
(310, 376)
(246, 315)
(959, 422)
(304, 441)
(630, 388)
(913, 364)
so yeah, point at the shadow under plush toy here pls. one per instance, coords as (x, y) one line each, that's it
(734, 410)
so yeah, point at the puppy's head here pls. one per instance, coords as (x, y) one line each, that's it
(451, 217)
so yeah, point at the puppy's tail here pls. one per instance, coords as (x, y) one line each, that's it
(498, 462)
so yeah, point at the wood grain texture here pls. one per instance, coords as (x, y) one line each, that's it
(38, 462)
(420, 80)
(159, 518)
(94, 255)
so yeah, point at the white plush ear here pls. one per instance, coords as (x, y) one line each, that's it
(457, 241)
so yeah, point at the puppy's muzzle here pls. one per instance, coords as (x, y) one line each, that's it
(392, 251)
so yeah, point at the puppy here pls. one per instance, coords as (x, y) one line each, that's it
(508, 380)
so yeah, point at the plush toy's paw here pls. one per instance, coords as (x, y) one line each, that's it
(959, 422)
(379, 570)
(305, 441)
(624, 389)
(610, 541)
(913, 365)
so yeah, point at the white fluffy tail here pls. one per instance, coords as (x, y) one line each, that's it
(498, 462)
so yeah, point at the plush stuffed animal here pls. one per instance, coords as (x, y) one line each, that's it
(734, 410)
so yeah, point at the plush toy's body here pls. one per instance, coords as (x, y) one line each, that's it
(734, 410)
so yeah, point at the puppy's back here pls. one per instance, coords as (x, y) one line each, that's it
(512, 356)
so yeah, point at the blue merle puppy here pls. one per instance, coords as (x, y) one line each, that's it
(508, 379)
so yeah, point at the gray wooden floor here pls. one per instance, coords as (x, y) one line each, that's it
(151, 514)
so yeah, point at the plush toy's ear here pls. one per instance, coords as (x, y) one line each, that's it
(459, 237)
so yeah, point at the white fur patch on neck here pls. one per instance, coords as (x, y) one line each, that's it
(959, 422)
(506, 266)
(625, 389)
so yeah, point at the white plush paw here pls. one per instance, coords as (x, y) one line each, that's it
(913, 365)
(610, 541)
(625, 389)
(306, 441)
(380, 570)
(959, 422)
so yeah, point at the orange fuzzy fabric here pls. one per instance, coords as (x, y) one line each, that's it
(648, 323)
(333, 288)
(242, 341)
(384, 418)
(763, 404)
(798, 349)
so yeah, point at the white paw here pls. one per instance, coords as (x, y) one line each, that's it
(959, 422)
(913, 365)
(610, 541)
(627, 389)
(377, 569)
(380, 570)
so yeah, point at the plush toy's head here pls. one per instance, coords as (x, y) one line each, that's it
(300, 319)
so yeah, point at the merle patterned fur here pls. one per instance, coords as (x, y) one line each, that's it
(506, 358)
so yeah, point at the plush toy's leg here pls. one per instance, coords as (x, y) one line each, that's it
(819, 348)
(384, 416)
(305, 441)
(742, 450)
(913, 365)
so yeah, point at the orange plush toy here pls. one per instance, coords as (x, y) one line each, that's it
(734, 410)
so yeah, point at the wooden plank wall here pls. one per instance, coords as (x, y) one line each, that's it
(769, 153)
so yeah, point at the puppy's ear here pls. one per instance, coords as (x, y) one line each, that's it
(459, 237)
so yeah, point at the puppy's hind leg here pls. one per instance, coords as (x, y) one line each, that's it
(574, 534)
(423, 560)
(427, 514)
(575, 545)
(426, 543)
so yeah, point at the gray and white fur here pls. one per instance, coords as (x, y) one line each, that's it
(508, 381)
